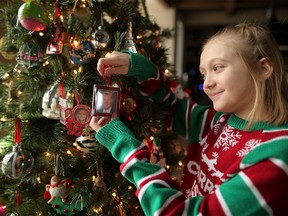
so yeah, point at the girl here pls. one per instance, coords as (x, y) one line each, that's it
(237, 160)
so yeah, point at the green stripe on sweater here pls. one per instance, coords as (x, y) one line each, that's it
(239, 198)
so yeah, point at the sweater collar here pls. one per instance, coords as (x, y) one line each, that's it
(239, 123)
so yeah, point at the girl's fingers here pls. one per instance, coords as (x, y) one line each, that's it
(97, 122)
(120, 69)
(104, 120)
(115, 63)
(114, 115)
(94, 123)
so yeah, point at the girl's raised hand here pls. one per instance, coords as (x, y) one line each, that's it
(114, 63)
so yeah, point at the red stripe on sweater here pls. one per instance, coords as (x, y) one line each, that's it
(170, 117)
(151, 85)
(210, 206)
(176, 207)
(188, 116)
(143, 153)
(272, 184)
(164, 177)
(210, 118)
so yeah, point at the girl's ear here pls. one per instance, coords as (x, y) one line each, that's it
(266, 68)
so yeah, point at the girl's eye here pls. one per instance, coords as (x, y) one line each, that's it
(216, 67)
(203, 75)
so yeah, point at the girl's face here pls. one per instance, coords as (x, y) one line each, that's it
(227, 81)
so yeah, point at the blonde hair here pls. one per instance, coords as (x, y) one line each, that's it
(252, 43)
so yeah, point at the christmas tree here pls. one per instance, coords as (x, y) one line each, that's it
(51, 48)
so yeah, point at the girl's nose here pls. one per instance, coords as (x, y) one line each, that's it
(208, 81)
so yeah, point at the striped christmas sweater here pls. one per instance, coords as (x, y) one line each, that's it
(228, 171)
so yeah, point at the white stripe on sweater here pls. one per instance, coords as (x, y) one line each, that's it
(144, 188)
(133, 151)
(187, 119)
(256, 193)
(222, 202)
(186, 207)
(152, 78)
(171, 198)
(243, 165)
(159, 172)
(280, 164)
(128, 165)
(166, 97)
(275, 130)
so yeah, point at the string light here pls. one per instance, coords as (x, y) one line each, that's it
(83, 3)
(3, 118)
(6, 75)
(69, 152)
(97, 210)
(38, 179)
(47, 154)
(69, 94)
(75, 43)
(168, 73)
(46, 63)
(9, 100)
(80, 69)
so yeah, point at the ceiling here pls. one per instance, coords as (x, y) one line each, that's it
(228, 5)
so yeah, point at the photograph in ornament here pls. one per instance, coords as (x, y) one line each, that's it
(106, 100)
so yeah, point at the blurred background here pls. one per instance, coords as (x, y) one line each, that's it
(49, 51)
(195, 20)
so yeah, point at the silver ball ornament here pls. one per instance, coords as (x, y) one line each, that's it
(100, 38)
(17, 163)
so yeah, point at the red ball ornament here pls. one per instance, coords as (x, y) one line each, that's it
(129, 104)
(65, 210)
(74, 210)
(33, 16)
(56, 206)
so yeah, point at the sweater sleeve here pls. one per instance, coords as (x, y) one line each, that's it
(186, 118)
(160, 195)
(151, 180)
(150, 78)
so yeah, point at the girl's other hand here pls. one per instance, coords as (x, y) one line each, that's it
(98, 122)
